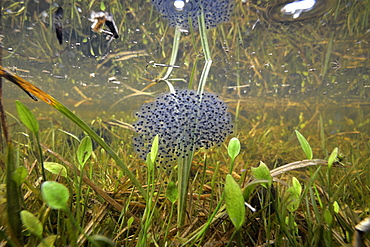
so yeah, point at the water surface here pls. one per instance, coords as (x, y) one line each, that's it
(277, 73)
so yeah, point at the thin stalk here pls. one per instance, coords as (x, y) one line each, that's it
(175, 49)
(169, 222)
(41, 156)
(204, 228)
(184, 165)
(207, 54)
(13, 197)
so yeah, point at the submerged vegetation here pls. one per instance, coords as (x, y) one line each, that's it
(295, 171)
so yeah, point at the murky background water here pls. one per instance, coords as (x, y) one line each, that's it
(277, 73)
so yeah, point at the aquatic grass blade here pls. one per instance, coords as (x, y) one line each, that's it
(184, 166)
(175, 49)
(33, 90)
(32, 223)
(234, 202)
(55, 194)
(207, 53)
(304, 145)
(13, 198)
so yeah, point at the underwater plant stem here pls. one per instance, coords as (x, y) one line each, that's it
(79, 228)
(147, 218)
(326, 61)
(201, 233)
(207, 54)
(4, 125)
(175, 49)
(13, 198)
(169, 222)
(41, 157)
(184, 166)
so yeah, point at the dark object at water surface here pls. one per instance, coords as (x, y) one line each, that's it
(58, 16)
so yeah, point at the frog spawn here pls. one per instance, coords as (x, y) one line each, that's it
(178, 12)
(183, 123)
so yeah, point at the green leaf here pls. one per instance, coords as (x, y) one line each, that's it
(336, 207)
(20, 175)
(171, 192)
(304, 145)
(27, 117)
(234, 148)
(130, 221)
(56, 195)
(294, 194)
(297, 185)
(102, 6)
(328, 217)
(48, 241)
(333, 156)
(234, 202)
(262, 173)
(154, 149)
(102, 241)
(56, 168)
(84, 150)
(32, 223)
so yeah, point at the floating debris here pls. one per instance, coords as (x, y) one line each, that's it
(99, 19)
(178, 12)
(298, 10)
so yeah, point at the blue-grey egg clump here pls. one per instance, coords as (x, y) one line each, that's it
(178, 12)
(183, 123)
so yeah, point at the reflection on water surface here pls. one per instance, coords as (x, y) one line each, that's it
(321, 57)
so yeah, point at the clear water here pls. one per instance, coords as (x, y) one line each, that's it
(276, 73)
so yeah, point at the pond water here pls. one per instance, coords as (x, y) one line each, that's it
(277, 73)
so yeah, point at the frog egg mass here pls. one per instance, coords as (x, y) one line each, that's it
(183, 123)
(178, 12)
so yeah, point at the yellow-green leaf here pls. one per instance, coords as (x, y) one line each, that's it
(234, 202)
